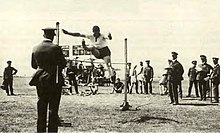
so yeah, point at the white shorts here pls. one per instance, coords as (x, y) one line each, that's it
(140, 77)
(133, 79)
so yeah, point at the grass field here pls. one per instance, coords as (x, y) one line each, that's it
(101, 112)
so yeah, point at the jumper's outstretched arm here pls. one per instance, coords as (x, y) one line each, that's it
(73, 34)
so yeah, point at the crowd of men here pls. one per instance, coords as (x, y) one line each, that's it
(141, 79)
(79, 74)
(204, 77)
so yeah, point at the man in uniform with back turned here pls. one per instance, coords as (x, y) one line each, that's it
(49, 61)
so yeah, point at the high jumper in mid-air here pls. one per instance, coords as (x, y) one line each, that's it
(99, 47)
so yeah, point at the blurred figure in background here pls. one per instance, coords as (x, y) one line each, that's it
(8, 78)
(192, 79)
(203, 74)
(148, 75)
(134, 80)
(163, 82)
(114, 77)
(128, 75)
(71, 74)
(80, 69)
(215, 78)
(177, 76)
(140, 77)
(118, 86)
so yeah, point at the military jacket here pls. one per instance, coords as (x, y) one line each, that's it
(148, 72)
(215, 76)
(192, 73)
(177, 71)
(46, 58)
(203, 71)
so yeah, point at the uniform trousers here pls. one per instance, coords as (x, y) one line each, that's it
(216, 92)
(8, 83)
(146, 83)
(173, 91)
(190, 87)
(48, 96)
(203, 88)
(72, 80)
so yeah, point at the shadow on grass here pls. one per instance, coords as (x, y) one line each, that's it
(199, 104)
(191, 98)
(143, 119)
(8, 101)
(25, 94)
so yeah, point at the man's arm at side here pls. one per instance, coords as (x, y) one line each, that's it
(33, 62)
(15, 71)
(62, 61)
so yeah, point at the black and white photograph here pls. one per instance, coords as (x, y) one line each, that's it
(118, 66)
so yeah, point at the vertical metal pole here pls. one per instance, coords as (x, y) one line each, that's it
(58, 32)
(58, 42)
(125, 106)
(210, 81)
(126, 70)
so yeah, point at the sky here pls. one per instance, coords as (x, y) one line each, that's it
(154, 28)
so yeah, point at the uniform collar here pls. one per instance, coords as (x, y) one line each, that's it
(174, 60)
(216, 65)
(203, 63)
(47, 40)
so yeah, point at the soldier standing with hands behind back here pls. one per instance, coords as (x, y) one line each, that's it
(45, 58)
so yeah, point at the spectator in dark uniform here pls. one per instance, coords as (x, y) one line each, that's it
(114, 77)
(177, 77)
(192, 79)
(215, 78)
(47, 58)
(148, 75)
(202, 77)
(80, 69)
(8, 78)
(71, 74)
(102, 70)
(169, 83)
(100, 73)
(91, 72)
(118, 86)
